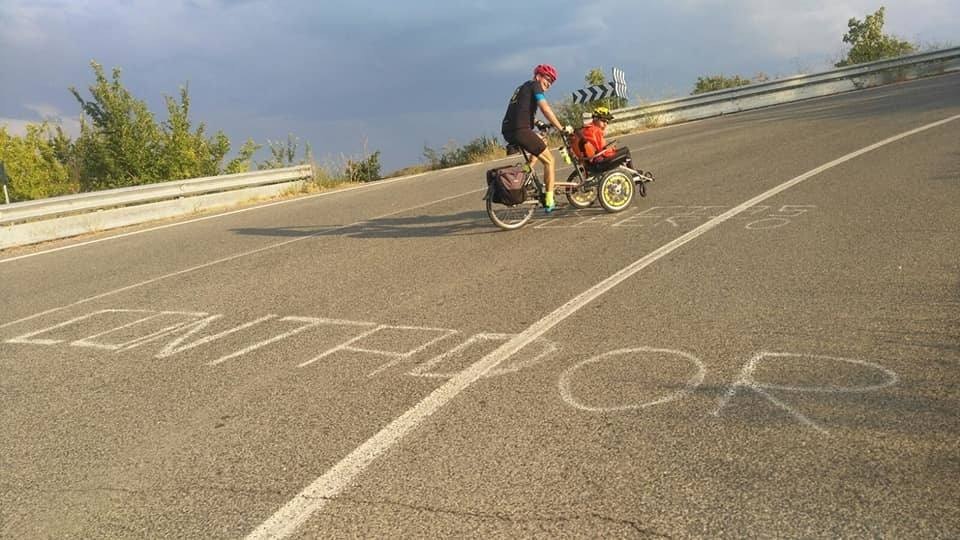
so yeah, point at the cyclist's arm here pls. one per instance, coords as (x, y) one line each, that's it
(548, 112)
(589, 150)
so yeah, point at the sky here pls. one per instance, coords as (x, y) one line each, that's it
(354, 77)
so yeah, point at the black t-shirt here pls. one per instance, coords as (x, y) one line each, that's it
(522, 108)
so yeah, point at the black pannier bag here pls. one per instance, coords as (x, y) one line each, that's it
(507, 184)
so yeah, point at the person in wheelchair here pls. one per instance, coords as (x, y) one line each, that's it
(591, 148)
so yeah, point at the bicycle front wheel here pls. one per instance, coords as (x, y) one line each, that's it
(580, 198)
(509, 218)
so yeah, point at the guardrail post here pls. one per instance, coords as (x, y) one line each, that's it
(3, 180)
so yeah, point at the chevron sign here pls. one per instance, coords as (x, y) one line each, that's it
(617, 88)
(619, 83)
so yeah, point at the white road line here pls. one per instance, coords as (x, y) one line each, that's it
(233, 257)
(368, 185)
(296, 512)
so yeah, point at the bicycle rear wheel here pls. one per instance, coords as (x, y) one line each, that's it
(510, 217)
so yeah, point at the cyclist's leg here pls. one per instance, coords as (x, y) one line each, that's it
(535, 146)
(532, 161)
(525, 140)
(549, 171)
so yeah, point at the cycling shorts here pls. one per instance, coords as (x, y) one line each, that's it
(528, 140)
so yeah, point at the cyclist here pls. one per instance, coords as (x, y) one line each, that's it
(517, 127)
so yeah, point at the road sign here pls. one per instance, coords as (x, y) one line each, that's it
(619, 83)
(617, 88)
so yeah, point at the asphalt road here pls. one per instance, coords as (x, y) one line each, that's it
(767, 345)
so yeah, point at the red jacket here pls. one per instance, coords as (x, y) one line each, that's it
(588, 141)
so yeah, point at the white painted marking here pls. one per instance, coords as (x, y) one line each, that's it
(308, 322)
(342, 346)
(424, 369)
(767, 223)
(175, 346)
(89, 340)
(747, 380)
(189, 323)
(398, 357)
(313, 497)
(191, 318)
(549, 348)
(226, 259)
(793, 210)
(25, 338)
(395, 356)
(568, 396)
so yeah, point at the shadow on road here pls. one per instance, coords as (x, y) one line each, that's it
(462, 224)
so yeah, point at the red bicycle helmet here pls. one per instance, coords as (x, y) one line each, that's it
(546, 70)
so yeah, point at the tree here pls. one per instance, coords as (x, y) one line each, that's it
(187, 154)
(244, 160)
(868, 42)
(718, 82)
(32, 166)
(120, 143)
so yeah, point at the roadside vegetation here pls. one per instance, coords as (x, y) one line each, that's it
(122, 143)
(868, 43)
(865, 42)
(712, 83)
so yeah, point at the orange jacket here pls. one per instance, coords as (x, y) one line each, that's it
(588, 140)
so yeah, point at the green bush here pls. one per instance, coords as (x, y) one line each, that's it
(481, 149)
(32, 165)
(363, 170)
(285, 154)
(718, 82)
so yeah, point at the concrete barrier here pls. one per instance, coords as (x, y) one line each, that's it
(32, 232)
(30, 222)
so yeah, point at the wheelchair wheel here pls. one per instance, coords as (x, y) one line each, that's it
(581, 198)
(509, 218)
(616, 189)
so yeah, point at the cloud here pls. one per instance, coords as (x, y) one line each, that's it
(42, 113)
(334, 72)
(15, 126)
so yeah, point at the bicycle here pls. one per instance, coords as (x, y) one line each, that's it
(613, 184)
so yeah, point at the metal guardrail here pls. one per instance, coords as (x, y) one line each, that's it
(756, 95)
(111, 198)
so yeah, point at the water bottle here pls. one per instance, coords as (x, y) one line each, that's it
(565, 155)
